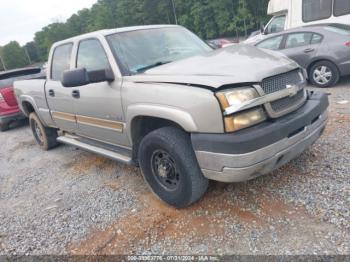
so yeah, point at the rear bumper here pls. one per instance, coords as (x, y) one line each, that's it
(5, 119)
(259, 150)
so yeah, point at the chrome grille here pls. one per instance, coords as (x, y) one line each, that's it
(279, 82)
(285, 103)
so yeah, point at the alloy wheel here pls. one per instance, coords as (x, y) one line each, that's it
(322, 75)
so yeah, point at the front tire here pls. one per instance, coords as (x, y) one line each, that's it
(324, 74)
(44, 136)
(170, 167)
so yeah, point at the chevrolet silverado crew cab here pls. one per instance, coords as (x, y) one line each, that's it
(160, 98)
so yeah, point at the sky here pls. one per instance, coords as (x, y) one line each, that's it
(20, 19)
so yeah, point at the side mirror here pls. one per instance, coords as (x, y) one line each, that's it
(80, 77)
(101, 76)
(262, 28)
(75, 77)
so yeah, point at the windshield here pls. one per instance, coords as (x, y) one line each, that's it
(141, 50)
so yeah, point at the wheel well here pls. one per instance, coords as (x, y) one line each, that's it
(320, 60)
(27, 107)
(143, 125)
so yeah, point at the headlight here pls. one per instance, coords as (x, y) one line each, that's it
(237, 98)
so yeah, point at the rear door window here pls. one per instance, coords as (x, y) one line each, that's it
(273, 43)
(341, 7)
(298, 39)
(314, 10)
(316, 39)
(61, 61)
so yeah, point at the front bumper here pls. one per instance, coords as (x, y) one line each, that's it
(259, 150)
(5, 119)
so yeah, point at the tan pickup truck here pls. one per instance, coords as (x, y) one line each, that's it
(161, 98)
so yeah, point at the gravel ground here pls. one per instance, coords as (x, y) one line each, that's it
(67, 201)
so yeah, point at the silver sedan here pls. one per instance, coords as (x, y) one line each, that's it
(323, 50)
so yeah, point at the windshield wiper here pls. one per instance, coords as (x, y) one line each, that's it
(142, 69)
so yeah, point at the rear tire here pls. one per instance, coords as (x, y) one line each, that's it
(170, 167)
(4, 127)
(324, 74)
(44, 136)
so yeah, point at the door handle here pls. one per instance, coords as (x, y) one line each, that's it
(309, 50)
(51, 92)
(76, 94)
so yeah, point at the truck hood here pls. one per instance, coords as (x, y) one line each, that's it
(235, 64)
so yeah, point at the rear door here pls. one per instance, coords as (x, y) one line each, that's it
(98, 107)
(302, 46)
(59, 98)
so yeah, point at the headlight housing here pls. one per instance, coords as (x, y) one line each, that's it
(235, 99)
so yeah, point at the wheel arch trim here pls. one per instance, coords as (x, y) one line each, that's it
(28, 99)
(176, 115)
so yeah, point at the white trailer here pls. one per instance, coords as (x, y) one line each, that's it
(288, 14)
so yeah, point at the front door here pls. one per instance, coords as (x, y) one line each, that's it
(59, 98)
(98, 106)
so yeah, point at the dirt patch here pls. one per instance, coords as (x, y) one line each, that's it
(156, 221)
(89, 161)
(342, 118)
(22, 145)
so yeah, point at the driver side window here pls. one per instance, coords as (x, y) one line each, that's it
(276, 25)
(92, 56)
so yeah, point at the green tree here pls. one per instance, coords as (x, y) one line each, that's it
(49, 35)
(2, 66)
(207, 18)
(32, 52)
(14, 56)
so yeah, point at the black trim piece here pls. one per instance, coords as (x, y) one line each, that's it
(264, 134)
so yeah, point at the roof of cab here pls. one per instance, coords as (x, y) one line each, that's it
(106, 32)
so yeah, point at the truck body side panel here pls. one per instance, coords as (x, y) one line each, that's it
(33, 92)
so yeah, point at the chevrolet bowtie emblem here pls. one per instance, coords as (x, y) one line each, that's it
(292, 90)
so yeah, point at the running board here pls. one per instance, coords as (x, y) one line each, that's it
(71, 140)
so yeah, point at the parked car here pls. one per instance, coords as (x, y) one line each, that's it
(9, 110)
(288, 14)
(184, 117)
(221, 43)
(323, 50)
